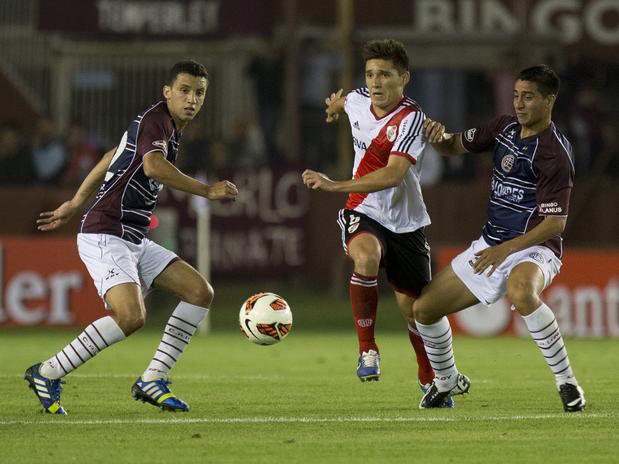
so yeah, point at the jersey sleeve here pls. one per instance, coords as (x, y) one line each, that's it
(409, 141)
(481, 138)
(355, 97)
(555, 179)
(155, 131)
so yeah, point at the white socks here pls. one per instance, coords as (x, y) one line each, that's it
(97, 336)
(437, 340)
(177, 333)
(544, 329)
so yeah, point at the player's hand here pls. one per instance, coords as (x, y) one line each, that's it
(334, 106)
(317, 181)
(50, 220)
(222, 190)
(491, 257)
(433, 130)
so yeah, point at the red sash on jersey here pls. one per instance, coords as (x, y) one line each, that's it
(377, 154)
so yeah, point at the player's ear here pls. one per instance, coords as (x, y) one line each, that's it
(550, 101)
(406, 77)
(166, 91)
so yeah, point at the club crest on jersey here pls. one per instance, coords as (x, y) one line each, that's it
(469, 135)
(507, 163)
(392, 132)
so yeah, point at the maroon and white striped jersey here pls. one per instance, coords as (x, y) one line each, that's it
(127, 198)
(399, 133)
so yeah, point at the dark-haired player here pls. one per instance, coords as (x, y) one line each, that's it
(519, 252)
(123, 263)
(384, 217)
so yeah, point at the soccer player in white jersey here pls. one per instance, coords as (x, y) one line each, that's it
(123, 263)
(384, 217)
(519, 252)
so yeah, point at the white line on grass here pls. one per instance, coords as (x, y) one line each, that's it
(306, 420)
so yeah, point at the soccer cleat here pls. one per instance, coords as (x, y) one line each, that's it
(158, 394)
(47, 390)
(573, 397)
(435, 398)
(369, 366)
(449, 401)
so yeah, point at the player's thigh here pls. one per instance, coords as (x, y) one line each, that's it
(365, 250)
(127, 304)
(444, 295)
(185, 282)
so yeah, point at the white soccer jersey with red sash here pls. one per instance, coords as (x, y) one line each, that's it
(399, 133)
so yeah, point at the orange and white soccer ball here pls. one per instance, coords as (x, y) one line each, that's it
(265, 318)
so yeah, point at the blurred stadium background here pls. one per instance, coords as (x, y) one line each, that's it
(73, 74)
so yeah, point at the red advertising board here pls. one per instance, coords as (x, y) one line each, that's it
(43, 282)
(584, 297)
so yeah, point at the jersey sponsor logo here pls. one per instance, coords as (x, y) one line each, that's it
(365, 322)
(392, 132)
(508, 192)
(507, 163)
(469, 135)
(161, 144)
(359, 144)
(549, 208)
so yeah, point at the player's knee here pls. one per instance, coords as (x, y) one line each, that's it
(129, 319)
(200, 294)
(422, 311)
(523, 296)
(366, 263)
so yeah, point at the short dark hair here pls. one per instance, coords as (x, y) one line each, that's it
(546, 79)
(188, 67)
(387, 49)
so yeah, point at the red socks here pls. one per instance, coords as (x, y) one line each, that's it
(424, 372)
(364, 300)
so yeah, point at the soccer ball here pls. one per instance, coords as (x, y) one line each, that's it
(265, 318)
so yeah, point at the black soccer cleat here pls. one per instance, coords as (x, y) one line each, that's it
(573, 397)
(436, 399)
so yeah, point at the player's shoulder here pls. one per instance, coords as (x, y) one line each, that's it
(554, 145)
(157, 115)
(503, 123)
(360, 96)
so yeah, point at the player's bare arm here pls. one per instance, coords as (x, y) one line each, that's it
(50, 220)
(157, 167)
(444, 142)
(335, 105)
(383, 178)
(493, 256)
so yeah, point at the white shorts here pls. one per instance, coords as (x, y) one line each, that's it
(111, 261)
(490, 289)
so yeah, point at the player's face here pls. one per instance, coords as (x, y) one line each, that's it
(185, 97)
(530, 105)
(385, 83)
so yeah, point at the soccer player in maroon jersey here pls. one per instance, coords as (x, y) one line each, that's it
(123, 263)
(384, 217)
(519, 252)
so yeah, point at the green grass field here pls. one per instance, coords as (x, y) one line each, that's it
(300, 401)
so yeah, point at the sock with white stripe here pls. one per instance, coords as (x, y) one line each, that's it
(544, 330)
(177, 333)
(97, 336)
(437, 340)
(425, 374)
(364, 301)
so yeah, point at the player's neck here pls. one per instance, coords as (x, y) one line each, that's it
(534, 129)
(380, 112)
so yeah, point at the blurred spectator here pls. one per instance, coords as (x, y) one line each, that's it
(266, 70)
(247, 146)
(318, 139)
(587, 120)
(82, 155)
(194, 155)
(15, 158)
(49, 154)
